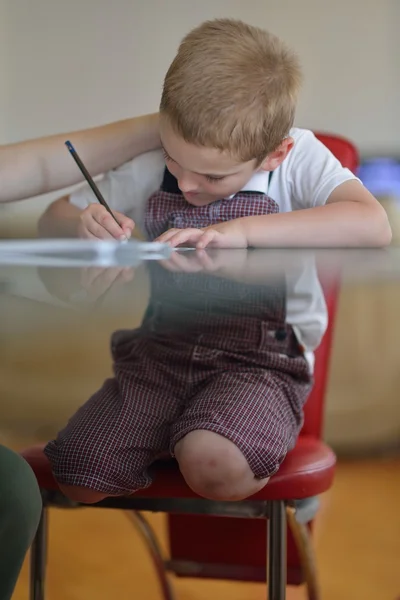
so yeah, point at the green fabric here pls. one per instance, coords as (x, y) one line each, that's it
(20, 509)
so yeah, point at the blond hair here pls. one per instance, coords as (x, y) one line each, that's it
(233, 87)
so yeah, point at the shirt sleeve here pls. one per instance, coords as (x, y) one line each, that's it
(306, 308)
(313, 172)
(127, 188)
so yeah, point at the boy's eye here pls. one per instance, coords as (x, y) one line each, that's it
(166, 156)
(209, 178)
(214, 179)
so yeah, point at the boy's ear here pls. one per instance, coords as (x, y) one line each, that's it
(275, 158)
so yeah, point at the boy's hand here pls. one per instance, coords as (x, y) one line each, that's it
(97, 281)
(206, 261)
(97, 223)
(230, 234)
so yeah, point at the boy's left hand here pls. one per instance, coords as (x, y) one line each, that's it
(230, 234)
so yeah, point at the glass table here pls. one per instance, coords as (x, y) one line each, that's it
(65, 303)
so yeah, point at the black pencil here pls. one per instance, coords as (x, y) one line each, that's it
(89, 179)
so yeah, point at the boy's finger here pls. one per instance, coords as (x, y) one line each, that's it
(207, 237)
(184, 236)
(206, 261)
(126, 224)
(173, 263)
(97, 231)
(165, 237)
(107, 222)
(128, 232)
(89, 275)
(106, 280)
(187, 264)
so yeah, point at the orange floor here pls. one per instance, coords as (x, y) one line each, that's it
(96, 555)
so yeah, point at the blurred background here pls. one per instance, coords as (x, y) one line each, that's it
(81, 63)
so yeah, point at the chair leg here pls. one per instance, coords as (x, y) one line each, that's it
(38, 559)
(305, 549)
(276, 536)
(149, 537)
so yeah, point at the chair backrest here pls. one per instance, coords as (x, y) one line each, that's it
(348, 155)
(342, 148)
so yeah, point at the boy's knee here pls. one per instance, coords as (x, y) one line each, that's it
(87, 477)
(215, 468)
(81, 494)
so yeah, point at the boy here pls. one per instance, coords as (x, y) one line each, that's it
(237, 176)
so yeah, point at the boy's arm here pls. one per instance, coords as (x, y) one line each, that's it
(351, 217)
(82, 288)
(330, 208)
(60, 219)
(256, 266)
(43, 165)
(126, 190)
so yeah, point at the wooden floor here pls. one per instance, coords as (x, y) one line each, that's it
(97, 555)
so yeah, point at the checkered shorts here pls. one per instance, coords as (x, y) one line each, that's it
(163, 389)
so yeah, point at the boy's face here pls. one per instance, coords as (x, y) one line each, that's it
(204, 174)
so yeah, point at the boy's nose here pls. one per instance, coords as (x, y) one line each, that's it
(187, 185)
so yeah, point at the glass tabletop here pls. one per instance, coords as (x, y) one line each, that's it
(71, 311)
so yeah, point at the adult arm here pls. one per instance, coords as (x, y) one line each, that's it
(43, 165)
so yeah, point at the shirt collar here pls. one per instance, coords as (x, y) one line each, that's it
(257, 183)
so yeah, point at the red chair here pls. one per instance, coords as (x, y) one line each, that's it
(342, 148)
(221, 545)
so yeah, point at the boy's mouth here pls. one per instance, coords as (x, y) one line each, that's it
(198, 198)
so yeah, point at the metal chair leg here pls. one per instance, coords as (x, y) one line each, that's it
(305, 549)
(276, 568)
(38, 559)
(153, 547)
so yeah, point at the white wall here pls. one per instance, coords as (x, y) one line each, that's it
(78, 63)
(4, 84)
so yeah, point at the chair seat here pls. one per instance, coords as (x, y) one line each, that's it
(307, 471)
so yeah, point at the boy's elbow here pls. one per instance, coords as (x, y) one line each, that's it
(50, 223)
(386, 235)
(380, 234)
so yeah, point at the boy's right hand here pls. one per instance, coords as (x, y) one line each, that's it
(95, 222)
(97, 281)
